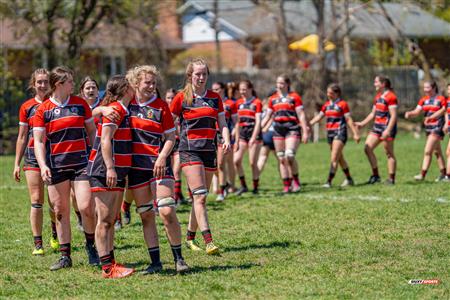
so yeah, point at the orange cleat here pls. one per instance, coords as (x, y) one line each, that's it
(118, 271)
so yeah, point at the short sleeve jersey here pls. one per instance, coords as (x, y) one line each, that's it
(382, 103)
(335, 113)
(26, 115)
(284, 107)
(430, 105)
(149, 121)
(198, 120)
(121, 145)
(448, 110)
(247, 110)
(64, 125)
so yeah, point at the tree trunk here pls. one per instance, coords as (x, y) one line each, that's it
(216, 35)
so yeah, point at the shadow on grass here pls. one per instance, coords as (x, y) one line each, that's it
(142, 265)
(127, 247)
(284, 244)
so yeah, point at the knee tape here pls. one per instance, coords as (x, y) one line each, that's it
(280, 154)
(144, 208)
(166, 202)
(36, 205)
(290, 153)
(200, 191)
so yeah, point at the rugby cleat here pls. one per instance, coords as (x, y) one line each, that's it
(54, 244)
(389, 181)
(348, 182)
(193, 245)
(117, 271)
(212, 249)
(117, 225)
(441, 178)
(419, 177)
(374, 179)
(241, 191)
(220, 198)
(92, 254)
(126, 217)
(153, 269)
(63, 262)
(295, 187)
(38, 251)
(326, 185)
(181, 266)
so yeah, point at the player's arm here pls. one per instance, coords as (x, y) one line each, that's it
(40, 152)
(160, 163)
(438, 113)
(21, 145)
(225, 131)
(303, 123)
(367, 119)
(90, 129)
(257, 129)
(106, 111)
(353, 128)
(317, 118)
(267, 117)
(108, 131)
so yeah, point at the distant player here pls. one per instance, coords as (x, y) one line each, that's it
(384, 130)
(430, 104)
(337, 114)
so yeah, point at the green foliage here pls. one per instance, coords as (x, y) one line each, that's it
(362, 242)
(384, 55)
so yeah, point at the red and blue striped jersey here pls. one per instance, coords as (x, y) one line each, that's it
(335, 113)
(247, 111)
(382, 103)
(198, 121)
(26, 116)
(284, 107)
(149, 122)
(448, 110)
(430, 105)
(64, 126)
(121, 145)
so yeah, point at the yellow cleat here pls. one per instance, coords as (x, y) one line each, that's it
(38, 251)
(212, 249)
(193, 245)
(54, 244)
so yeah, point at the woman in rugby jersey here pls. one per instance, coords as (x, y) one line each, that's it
(62, 125)
(290, 127)
(384, 130)
(175, 157)
(249, 108)
(108, 166)
(150, 176)
(430, 104)
(25, 149)
(199, 110)
(226, 173)
(337, 114)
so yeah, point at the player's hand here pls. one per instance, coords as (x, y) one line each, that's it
(236, 146)
(111, 178)
(160, 167)
(110, 113)
(407, 115)
(385, 134)
(226, 147)
(16, 173)
(252, 141)
(305, 136)
(46, 175)
(357, 138)
(358, 125)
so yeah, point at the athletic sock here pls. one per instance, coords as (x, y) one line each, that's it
(107, 262)
(424, 173)
(296, 179)
(90, 238)
(255, 184)
(38, 241)
(79, 217)
(443, 172)
(375, 172)
(286, 182)
(154, 255)
(392, 177)
(330, 177)
(190, 235)
(177, 189)
(65, 249)
(347, 173)
(113, 259)
(126, 206)
(290, 179)
(207, 236)
(222, 189)
(243, 183)
(54, 233)
(176, 251)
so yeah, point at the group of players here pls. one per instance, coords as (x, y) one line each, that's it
(90, 150)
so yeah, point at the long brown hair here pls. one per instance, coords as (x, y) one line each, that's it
(116, 88)
(335, 88)
(58, 74)
(286, 80)
(32, 81)
(86, 80)
(249, 85)
(433, 85)
(188, 92)
(385, 81)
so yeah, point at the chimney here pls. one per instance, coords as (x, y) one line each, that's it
(168, 24)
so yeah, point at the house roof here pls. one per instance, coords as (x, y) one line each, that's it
(366, 21)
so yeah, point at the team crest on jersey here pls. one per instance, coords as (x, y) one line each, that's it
(74, 110)
(206, 104)
(57, 111)
(150, 114)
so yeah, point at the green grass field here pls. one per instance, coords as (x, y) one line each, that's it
(360, 242)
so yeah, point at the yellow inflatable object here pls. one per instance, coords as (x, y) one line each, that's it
(310, 43)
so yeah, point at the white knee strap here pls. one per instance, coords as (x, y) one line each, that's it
(290, 153)
(144, 208)
(166, 202)
(280, 154)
